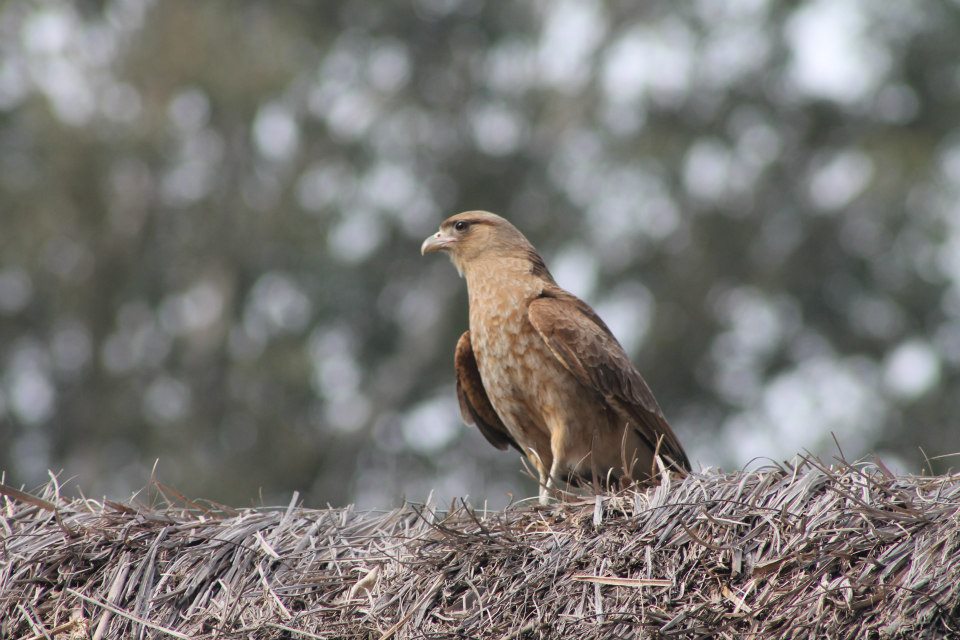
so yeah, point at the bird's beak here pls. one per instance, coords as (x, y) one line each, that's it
(436, 242)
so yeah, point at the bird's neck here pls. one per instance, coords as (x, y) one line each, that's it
(501, 285)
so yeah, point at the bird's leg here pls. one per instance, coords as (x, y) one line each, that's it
(549, 488)
(554, 474)
(544, 491)
(545, 480)
(549, 482)
(557, 444)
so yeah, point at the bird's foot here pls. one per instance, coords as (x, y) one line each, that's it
(545, 496)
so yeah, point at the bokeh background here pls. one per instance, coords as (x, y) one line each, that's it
(210, 215)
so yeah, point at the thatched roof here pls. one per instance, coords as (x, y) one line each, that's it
(801, 552)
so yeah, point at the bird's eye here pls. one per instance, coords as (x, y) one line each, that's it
(461, 225)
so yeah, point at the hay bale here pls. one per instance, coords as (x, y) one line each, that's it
(805, 551)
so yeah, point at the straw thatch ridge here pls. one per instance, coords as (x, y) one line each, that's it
(801, 551)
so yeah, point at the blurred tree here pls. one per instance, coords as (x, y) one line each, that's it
(211, 214)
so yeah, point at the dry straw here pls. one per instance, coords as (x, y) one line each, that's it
(804, 551)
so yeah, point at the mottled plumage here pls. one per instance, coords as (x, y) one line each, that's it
(540, 371)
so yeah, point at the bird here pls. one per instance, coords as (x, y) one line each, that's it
(538, 370)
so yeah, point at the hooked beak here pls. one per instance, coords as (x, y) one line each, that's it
(436, 242)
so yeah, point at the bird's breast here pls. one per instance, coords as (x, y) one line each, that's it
(518, 370)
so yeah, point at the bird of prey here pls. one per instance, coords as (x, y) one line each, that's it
(539, 370)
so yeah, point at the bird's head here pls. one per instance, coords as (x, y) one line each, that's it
(474, 236)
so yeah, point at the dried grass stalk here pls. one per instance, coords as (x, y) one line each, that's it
(848, 551)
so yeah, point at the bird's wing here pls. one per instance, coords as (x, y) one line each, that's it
(475, 407)
(584, 345)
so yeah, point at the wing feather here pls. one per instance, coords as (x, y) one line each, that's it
(586, 347)
(475, 407)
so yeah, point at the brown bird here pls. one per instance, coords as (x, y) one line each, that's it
(540, 371)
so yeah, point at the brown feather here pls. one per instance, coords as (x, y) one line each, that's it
(475, 407)
(584, 344)
(538, 267)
